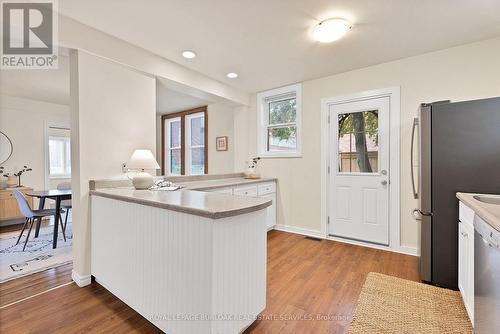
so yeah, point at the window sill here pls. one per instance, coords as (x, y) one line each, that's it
(56, 177)
(268, 155)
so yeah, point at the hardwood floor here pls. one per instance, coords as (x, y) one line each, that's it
(306, 279)
(31, 285)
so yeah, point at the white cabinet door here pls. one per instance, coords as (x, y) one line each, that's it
(466, 265)
(462, 260)
(469, 271)
(271, 211)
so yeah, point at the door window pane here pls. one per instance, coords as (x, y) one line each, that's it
(358, 142)
(284, 111)
(282, 139)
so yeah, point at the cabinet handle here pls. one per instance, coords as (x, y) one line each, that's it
(465, 235)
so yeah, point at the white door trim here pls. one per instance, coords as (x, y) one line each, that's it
(394, 94)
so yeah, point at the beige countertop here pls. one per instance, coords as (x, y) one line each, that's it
(490, 213)
(192, 199)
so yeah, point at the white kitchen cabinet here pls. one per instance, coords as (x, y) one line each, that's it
(246, 191)
(466, 258)
(265, 190)
(223, 190)
(271, 211)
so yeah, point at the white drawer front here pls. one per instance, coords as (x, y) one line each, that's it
(223, 191)
(246, 191)
(465, 214)
(266, 188)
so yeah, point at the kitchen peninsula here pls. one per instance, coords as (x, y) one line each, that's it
(198, 253)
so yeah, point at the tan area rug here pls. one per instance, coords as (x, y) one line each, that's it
(389, 304)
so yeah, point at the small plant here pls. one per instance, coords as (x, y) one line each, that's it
(18, 174)
(254, 163)
(22, 171)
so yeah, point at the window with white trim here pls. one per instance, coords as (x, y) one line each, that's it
(279, 122)
(59, 157)
(173, 146)
(195, 144)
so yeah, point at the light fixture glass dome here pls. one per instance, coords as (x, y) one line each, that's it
(188, 54)
(331, 30)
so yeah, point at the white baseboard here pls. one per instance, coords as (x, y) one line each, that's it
(317, 234)
(299, 230)
(408, 250)
(81, 281)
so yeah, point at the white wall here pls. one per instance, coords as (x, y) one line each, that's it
(25, 122)
(462, 73)
(112, 113)
(220, 123)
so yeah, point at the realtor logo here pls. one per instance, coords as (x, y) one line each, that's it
(29, 35)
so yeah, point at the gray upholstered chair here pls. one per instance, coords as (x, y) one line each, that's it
(66, 204)
(31, 215)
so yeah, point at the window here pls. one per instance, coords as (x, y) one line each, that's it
(184, 146)
(279, 122)
(173, 153)
(358, 142)
(59, 157)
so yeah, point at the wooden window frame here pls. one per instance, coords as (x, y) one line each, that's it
(182, 115)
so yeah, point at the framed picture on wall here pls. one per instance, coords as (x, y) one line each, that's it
(221, 143)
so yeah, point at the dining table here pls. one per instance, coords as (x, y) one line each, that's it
(58, 196)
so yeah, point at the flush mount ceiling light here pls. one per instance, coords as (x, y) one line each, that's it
(188, 54)
(331, 30)
(232, 75)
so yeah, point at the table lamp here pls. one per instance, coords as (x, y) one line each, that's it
(142, 159)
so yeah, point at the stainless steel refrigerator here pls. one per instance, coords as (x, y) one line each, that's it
(459, 145)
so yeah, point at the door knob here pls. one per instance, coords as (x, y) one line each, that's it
(384, 183)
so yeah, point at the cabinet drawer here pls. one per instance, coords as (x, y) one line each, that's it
(266, 188)
(465, 214)
(246, 191)
(223, 191)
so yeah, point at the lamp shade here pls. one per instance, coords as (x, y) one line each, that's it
(142, 159)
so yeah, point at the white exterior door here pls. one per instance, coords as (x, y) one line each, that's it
(359, 170)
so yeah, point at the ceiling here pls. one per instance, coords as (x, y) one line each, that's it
(50, 85)
(169, 101)
(268, 41)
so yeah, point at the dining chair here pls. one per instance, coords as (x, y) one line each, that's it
(31, 215)
(65, 204)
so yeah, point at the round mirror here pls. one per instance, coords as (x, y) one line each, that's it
(5, 148)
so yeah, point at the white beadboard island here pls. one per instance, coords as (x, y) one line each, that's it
(189, 261)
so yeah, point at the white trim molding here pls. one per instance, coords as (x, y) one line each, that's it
(299, 230)
(318, 234)
(394, 94)
(277, 94)
(81, 281)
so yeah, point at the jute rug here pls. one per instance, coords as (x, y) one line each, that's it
(393, 305)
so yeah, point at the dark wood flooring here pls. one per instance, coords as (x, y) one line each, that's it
(312, 287)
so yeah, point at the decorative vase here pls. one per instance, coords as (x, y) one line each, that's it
(252, 173)
(12, 181)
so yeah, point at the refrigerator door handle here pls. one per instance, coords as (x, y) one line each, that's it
(415, 191)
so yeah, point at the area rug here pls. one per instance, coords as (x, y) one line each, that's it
(38, 254)
(389, 304)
